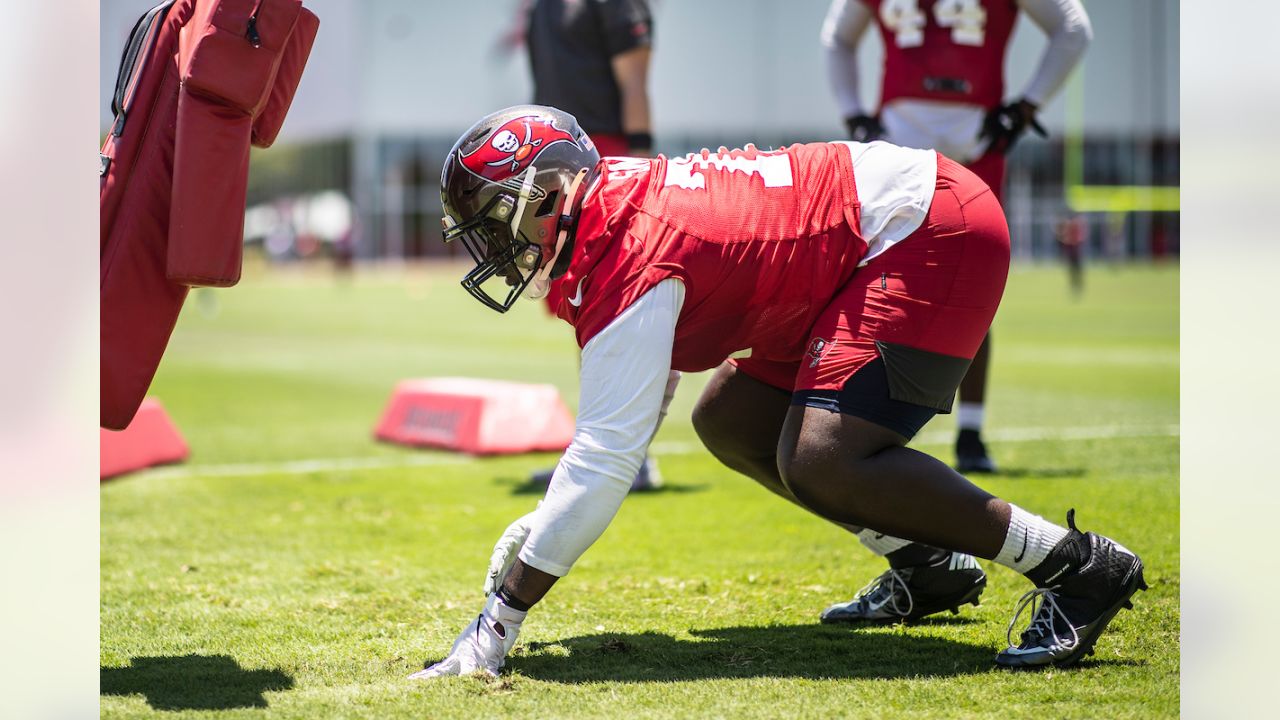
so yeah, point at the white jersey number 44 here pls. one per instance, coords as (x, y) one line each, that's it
(966, 18)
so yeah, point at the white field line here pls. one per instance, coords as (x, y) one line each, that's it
(393, 462)
(303, 467)
(1007, 435)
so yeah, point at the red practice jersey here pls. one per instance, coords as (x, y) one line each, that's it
(948, 50)
(761, 240)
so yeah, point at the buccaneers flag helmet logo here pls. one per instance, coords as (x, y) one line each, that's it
(512, 147)
(817, 347)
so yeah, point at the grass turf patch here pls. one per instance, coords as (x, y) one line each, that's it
(280, 590)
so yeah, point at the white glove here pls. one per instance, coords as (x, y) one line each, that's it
(505, 552)
(483, 645)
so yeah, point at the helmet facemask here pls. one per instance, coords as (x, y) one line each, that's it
(506, 262)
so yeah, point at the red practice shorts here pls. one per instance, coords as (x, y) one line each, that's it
(924, 305)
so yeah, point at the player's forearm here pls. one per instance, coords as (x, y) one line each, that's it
(636, 123)
(625, 375)
(631, 71)
(1067, 26)
(842, 74)
(586, 491)
(842, 31)
(526, 585)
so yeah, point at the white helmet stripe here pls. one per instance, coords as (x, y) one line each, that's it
(526, 189)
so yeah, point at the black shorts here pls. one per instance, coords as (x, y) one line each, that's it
(871, 394)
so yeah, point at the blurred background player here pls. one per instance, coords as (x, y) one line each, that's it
(1071, 232)
(591, 59)
(943, 88)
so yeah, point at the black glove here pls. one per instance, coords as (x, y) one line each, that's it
(864, 128)
(1005, 124)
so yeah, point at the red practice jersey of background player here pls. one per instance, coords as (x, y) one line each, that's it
(949, 50)
(762, 241)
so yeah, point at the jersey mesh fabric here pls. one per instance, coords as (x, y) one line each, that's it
(607, 145)
(762, 240)
(937, 291)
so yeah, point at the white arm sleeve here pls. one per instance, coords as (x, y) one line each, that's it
(1069, 31)
(841, 32)
(625, 372)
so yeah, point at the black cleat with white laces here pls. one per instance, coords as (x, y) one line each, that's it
(1084, 582)
(910, 593)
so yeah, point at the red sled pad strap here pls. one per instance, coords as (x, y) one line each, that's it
(228, 58)
(231, 49)
(210, 178)
(294, 59)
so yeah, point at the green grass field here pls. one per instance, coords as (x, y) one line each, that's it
(248, 583)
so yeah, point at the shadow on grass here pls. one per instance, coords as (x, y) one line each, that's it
(784, 651)
(528, 487)
(193, 682)
(1018, 473)
(941, 619)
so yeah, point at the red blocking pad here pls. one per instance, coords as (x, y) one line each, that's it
(482, 417)
(150, 439)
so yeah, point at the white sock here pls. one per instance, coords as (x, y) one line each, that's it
(881, 544)
(969, 415)
(1029, 540)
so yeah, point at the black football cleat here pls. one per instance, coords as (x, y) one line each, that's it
(910, 593)
(971, 454)
(1083, 583)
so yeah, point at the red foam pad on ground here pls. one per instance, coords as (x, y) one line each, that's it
(150, 439)
(481, 417)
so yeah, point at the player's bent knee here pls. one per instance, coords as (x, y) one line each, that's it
(824, 474)
(710, 426)
(806, 475)
(717, 435)
(722, 434)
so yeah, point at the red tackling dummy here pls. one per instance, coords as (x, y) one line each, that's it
(151, 439)
(199, 81)
(481, 417)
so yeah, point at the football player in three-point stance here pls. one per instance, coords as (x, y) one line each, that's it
(840, 289)
(943, 89)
